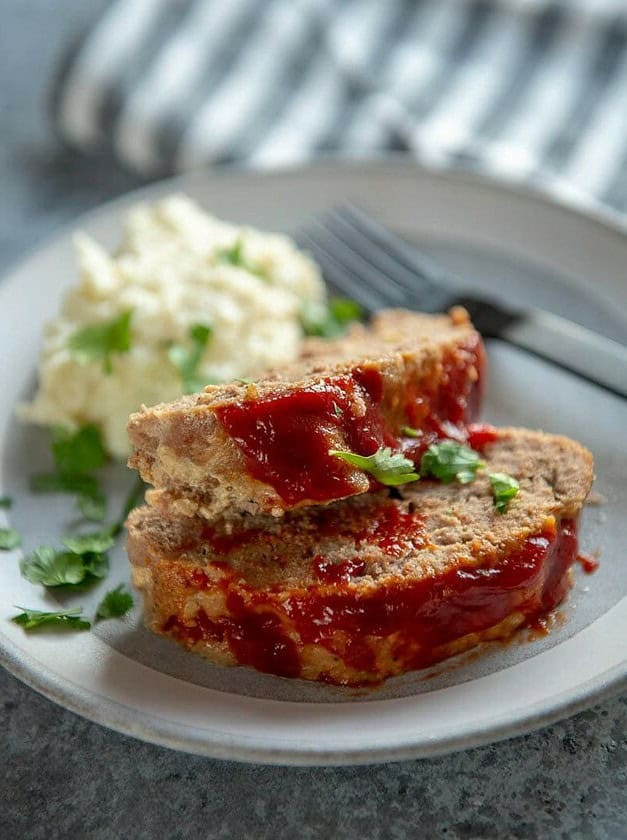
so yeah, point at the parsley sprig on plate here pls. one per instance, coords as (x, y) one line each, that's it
(77, 455)
(116, 603)
(64, 619)
(9, 539)
(83, 559)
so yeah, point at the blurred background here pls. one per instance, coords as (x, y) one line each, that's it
(100, 96)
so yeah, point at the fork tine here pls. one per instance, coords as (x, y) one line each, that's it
(356, 262)
(391, 264)
(339, 278)
(394, 246)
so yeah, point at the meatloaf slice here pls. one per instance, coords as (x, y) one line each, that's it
(376, 585)
(264, 447)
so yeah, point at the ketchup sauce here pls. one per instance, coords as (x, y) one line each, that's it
(589, 563)
(286, 438)
(417, 619)
(330, 572)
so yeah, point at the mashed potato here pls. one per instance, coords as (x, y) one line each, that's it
(171, 272)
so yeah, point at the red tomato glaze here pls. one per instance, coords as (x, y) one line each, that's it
(589, 563)
(286, 438)
(417, 618)
(330, 572)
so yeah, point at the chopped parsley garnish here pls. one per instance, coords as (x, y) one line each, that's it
(67, 619)
(116, 603)
(329, 320)
(186, 359)
(84, 560)
(87, 543)
(387, 467)
(58, 483)
(93, 508)
(234, 255)
(408, 431)
(53, 568)
(99, 342)
(504, 488)
(9, 538)
(96, 566)
(78, 452)
(6, 501)
(337, 410)
(449, 461)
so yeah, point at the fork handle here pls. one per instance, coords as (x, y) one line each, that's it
(573, 347)
(577, 349)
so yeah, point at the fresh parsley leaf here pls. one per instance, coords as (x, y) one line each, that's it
(116, 603)
(95, 565)
(101, 341)
(449, 461)
(92, 550)
(93, 508)
(504, 488)
(78, 452)
(6, 501)
(90, 543)
(50, 567)
(244, 381)
(345, 310)
(186, 359)
(408, 431)
(34, 619)
(86, 485)
(387, 467)
(53, 568)
(233, 255)
(9, 538)
(329, 320)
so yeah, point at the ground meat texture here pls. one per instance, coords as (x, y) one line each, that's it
(373, 586)
(264, 447)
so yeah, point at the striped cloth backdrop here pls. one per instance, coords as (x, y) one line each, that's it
(527, 89)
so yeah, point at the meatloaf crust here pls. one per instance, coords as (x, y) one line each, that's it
(376, 585)
(264, 447)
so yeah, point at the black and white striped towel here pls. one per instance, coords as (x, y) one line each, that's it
(527, 89)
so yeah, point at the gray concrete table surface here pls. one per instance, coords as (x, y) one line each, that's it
(63, 776)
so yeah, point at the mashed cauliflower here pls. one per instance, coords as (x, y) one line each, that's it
(171, 272)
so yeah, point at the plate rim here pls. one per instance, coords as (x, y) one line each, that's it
(551, 195)
(133, 723)
(154, 729)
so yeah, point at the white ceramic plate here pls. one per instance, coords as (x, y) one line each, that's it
(123, 677)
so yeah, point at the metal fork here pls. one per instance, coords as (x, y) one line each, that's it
(363, 260)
